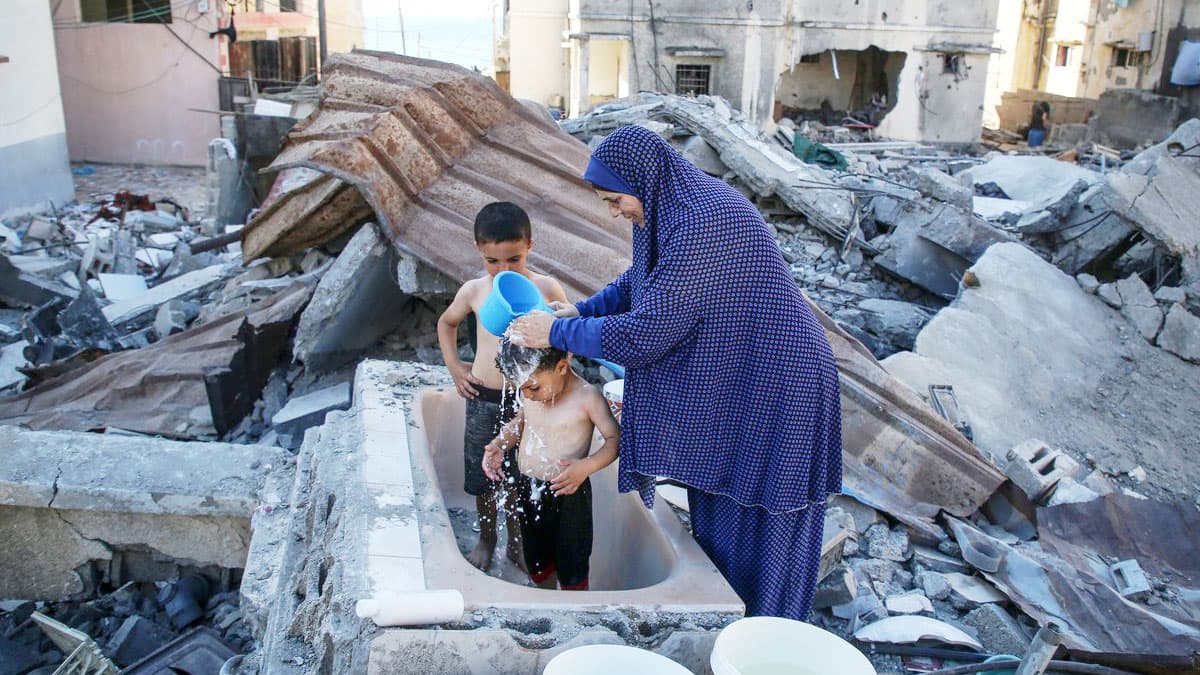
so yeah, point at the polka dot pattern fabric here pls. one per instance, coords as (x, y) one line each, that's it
(770, 560)
(731, 386)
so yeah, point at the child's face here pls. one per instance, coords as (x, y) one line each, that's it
(504, 256)
(547, 383)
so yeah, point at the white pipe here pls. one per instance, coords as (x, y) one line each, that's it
(414, 608)
(833, 54)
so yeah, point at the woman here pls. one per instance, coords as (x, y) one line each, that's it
(731, 386)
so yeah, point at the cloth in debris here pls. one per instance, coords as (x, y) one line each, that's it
(556, 532)
(812, 152)
(731, 385)
(770, 560)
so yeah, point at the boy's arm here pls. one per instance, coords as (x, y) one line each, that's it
(493, 453)
(575, 471)
(447, 330)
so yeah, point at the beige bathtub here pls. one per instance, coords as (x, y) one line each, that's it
(642, 560)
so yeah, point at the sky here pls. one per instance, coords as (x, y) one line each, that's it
(457, 31)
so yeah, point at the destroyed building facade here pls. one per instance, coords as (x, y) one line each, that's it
(916, 69)
(33, 140)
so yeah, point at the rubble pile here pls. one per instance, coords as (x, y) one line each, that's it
(132, 625)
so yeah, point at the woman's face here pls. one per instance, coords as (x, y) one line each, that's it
(620, 204)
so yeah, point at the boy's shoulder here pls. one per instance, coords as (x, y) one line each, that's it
(544, 282)
(474, 288)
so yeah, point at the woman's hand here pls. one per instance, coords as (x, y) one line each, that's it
(564, 310)
(574, 472)
(532, 330)
(493, 460)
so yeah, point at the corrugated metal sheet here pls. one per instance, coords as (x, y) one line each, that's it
(424, 145)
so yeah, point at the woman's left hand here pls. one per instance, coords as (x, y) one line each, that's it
(532, 330)
(574, 472)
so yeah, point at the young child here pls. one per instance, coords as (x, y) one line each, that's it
(554, 429)
(503, 237)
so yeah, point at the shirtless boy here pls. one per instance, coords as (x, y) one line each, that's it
(503, 237)
(554, 430)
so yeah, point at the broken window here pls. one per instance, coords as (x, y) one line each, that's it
(692, 79)
(126, 11)
(1124, 58)
(810, 58)
(1063, 55)
(952, 64)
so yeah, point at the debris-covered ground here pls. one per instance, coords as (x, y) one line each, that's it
(1045, 304)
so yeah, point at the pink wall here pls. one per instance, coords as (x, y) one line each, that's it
(127, 87)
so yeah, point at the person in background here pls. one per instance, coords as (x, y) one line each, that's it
(1039, 122)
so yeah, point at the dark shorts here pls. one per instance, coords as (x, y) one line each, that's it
(556, 532)
(484, 420)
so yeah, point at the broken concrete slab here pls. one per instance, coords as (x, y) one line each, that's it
(309, 410)
(909, 602)
(993, 208)
(908, 629)
(1027, 349)
(934, 585)
(23, 289)
(118, 287)
(1171, 294)
(1162, 206)
(1088, 283)
(914, 258)
(137, 637)
(942, 187)
(704, 156)
(1092, 231)
(1139, 306)
(998, 630)
(896, 321)
(1110, 295)
(937, 561)
(973, 589)
(887, 544)
(1181, 334)
(1034, 179)
(174, 316)
(133, 307)
(12, 357)
(836, 589)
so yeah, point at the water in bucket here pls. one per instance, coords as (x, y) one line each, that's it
(767, 645)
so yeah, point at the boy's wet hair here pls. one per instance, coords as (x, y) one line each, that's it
(510, 357)
(502, 221)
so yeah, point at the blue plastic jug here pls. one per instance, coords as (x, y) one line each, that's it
(515, 295)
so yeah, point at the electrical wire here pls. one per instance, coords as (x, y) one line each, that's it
(35, 111)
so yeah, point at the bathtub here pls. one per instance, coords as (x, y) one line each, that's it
(643, 560)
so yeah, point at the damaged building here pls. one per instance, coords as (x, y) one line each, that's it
(912, 70)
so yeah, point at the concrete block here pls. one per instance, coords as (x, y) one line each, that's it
(937, 561)
(174, 316)
(1129, 579)
(1108, 293)
(874, 569)
(1071, 491)
(888, 544)
(1036, 468)
(1171, 294)
(133, 307)
(1139, 306)
(136, 638)
(1181, 334)
(1088, 282)
(911, 602)
(998, 630)
(895, 321)
(303, 412)
(836, 589)
(934, 585)
(938, 185)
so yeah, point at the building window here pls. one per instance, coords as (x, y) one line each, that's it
(692, 80)
(287, 6)
(1124, 58)
(811, 58)
(1063, 56)
(126, 11)
(952, 64)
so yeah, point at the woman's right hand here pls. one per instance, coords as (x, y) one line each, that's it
(564, 310)
(464, 381)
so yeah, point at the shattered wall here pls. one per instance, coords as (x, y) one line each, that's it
(127, 87)
(859, 76)
(33, 142)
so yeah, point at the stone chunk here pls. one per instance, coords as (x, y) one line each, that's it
(1181, 334)
(895, 321)
(303, 412)
(1171, 294)
(1108, 293)
(704, 156)
(876, 569)
(1036, 468)
(174, 316)
(1088, 282)
(912, 602)
(998, 630)
(887, 544)
(971, 590)
(938, 185)
(836, 589)
(934, 585)
(1139, 306)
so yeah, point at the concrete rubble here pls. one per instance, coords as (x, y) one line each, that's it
(1056, 302)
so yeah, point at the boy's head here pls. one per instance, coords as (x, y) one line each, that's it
(547, 370)
(503, 237)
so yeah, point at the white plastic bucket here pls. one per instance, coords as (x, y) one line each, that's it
(610, 659)
(767, 645)
(614, 392)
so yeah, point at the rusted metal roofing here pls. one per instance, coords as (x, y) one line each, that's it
(423, 145)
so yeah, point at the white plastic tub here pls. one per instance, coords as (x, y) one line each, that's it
(611, 659)
(766, 645)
